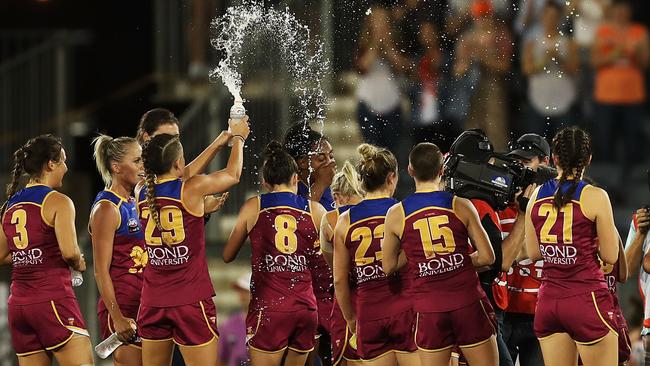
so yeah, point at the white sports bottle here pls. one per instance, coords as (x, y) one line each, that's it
(106, 347)
(237, 112)
(77, 278)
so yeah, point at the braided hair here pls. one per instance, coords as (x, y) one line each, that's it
(158, 156)
(30, 159)
(374, 166)
(572, 147)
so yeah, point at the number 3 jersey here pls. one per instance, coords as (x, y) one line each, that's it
(568, 243)
(284, 241)
(129, 253)
(436, 243)
(39, 272)
(177, 272)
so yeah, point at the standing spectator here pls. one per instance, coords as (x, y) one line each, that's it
(232, 343)
(378, 92)
(529, 20)
(483, 53)
(620, 55)
(550, 61)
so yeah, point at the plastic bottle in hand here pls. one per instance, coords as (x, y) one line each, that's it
(77, 278)
(106, 347)
(237, 112)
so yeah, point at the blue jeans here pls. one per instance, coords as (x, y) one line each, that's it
(519, 337)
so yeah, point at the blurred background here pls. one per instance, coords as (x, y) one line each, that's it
(402, 72)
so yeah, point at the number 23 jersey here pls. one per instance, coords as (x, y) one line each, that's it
(284, 241)
(177, 272)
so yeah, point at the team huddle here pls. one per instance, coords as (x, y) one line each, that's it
(341, 270)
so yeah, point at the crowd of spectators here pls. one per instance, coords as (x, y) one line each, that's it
(509, 67)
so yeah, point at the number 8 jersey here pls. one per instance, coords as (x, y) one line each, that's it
(177, 272)
(283, 240)
(39, 272)
(568, 243)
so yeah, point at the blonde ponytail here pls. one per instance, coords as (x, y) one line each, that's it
(108, 150)
(347, 182)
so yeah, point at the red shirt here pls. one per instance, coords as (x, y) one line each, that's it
(177, 273)
(283, 242)
(436, 244)
(39, 272)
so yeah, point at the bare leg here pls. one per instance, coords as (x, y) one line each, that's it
(601, 353)
(77, 351)
(127, 356)
(36, 359)
(559, 349)
(440, 358)
(295, 358)
(408, 358)
(205, 354)
(261, 358)
(157, 353)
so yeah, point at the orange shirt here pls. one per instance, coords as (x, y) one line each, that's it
(621, 82)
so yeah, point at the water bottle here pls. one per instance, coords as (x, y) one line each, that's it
(77, 278)
(237, 112)
(108, 346)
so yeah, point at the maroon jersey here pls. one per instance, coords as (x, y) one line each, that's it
(378, 295)
(568, 243)
(284, 241)
(177, 272)
(437, 245)
(612, 276)
(39, 272)
(129, 254)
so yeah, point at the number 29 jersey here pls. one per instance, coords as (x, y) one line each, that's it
(39, 272)
(177, 272)
(568, 243)
(284, 242)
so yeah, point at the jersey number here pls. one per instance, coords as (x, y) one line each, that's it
(19, 218)
(431, 230)
(550, 212)
(286, 240)
(366, 235)
(171, 220)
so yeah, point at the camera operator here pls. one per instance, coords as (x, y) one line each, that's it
(516, 289)
(637, 252)
(474, 146)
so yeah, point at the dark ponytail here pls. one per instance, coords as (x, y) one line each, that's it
(278, 166)
(572, 147)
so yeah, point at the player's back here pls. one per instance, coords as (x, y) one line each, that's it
(377, 294)
(129, 253)
(568, 243)
(436, 243)
(284, 241)
(39, 272)
(177, 271)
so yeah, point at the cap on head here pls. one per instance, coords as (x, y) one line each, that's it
(529, 146)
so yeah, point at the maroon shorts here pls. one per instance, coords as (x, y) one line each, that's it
(274, 331)
(44, 326)
(187, 325)
(324, 315)
(340, 337)
(380, 336)
(106, 322)
(624, 348)
(587, 318)
(468, 326)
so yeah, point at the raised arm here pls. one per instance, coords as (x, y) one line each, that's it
(104, 221)
(59, 211)
(635, 238)
(342, 271)
(478, 236)
(391, 245)
(513, 244)
(200, 163)
(245, 222)
(532, 244)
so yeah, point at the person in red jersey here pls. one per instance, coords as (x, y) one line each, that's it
(118, 243)
(568, 224)
(176, 304)
(281, 225)
(160, 120)
(515, 290)
(347, 192)
(316, 167)
(434, 229)
(38, 230)
(382, 317)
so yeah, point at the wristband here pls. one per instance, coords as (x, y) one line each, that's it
(239, 136)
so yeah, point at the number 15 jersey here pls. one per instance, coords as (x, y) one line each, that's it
(177, 272)
(284, 241)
